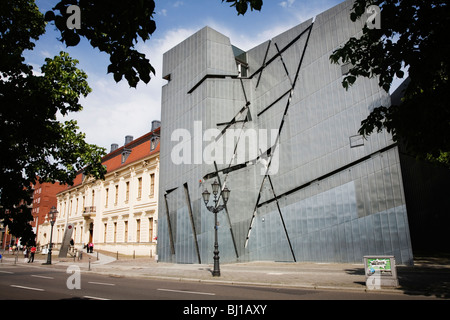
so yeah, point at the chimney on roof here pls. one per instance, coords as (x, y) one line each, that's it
(128, 139)
(114, 147)
(156, 124)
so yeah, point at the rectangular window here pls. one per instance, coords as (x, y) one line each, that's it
(126, 231)
(115, 232)
(139, 193)
(106, 230)
(150, 229)
(356, 141)
(138, 230)
(117, 195)
(127, 195)
(152, 185)
(106, 197)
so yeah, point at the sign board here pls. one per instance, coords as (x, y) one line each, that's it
(65, 245)
(380, 271)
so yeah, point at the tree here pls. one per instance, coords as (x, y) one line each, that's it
(414, 36)
(33, 144)
(242, 5)
(113, 27)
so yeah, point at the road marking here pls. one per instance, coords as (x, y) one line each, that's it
(275, 273)
(95, 298)
(103, 283)
(9, 272)
(191, 292)
(43, 277)
(28, 288)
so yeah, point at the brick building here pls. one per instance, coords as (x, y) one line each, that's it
(44, 197)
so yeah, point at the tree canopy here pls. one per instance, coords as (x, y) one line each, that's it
(413, 36)
(242, 5)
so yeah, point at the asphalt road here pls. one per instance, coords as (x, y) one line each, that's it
(38, 282)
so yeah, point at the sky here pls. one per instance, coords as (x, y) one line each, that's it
(114, 110)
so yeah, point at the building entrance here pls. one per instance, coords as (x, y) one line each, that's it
(91, 232)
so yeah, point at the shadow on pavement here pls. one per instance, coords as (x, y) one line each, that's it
(430, 276)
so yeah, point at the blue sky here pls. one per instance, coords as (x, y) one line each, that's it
(113, 110)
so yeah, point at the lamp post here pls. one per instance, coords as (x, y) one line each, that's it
(52, 218)
(225, 193)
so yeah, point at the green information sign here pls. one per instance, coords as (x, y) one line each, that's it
(381, 271)
(381, 264)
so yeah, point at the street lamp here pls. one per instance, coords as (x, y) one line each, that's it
(216, 209)
(52, 217)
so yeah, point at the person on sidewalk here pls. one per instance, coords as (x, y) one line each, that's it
(91, 247)
(32, 252)
(25, 254)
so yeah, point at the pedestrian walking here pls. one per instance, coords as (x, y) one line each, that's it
(32, 252)
(91, 247)
(25, 254)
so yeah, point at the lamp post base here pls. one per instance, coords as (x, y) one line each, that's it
(216, 270)
(49, 258)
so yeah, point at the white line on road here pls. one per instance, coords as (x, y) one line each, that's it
(95, 298)
(43, 277)
(103, 283)
(191, 292)
(28, 288)
(9, 272)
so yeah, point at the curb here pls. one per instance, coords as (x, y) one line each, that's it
(249, 283)
(124, 274)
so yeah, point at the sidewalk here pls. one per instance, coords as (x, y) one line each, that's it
(429, 276)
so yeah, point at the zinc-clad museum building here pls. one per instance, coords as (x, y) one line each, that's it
(275, 126)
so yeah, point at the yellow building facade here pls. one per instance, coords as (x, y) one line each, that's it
(118, 214)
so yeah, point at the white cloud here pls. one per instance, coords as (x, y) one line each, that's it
(309, 9)
(113, 110)
(178, 4)
(286, 4)
(46, 54)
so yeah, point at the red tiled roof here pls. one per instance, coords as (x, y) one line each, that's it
(140, 148)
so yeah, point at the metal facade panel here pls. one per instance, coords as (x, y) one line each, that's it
(326, 201)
